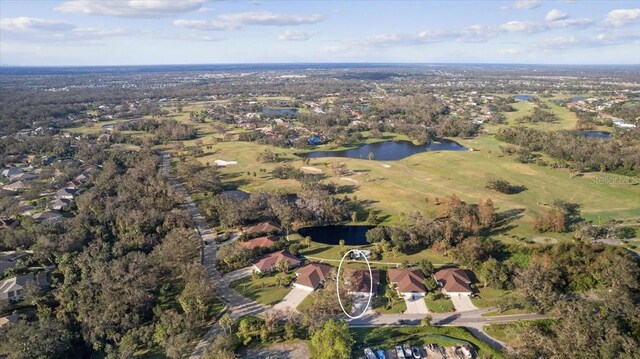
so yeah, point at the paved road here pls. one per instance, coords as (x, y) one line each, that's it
(237, 305)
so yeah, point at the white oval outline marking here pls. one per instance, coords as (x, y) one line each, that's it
(370, 286)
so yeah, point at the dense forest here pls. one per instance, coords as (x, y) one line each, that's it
(129, 244)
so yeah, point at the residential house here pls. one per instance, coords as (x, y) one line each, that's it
(9, 261)
(48, 216)
(312, 276)
(12, 171)
(262, 228)
(359, 282)
(58, 203)
(9, 319)
(454, 281)
(270, 262)
(24, 176)
(67, 193)
(408, 282)
(259, 242)
(13, 288)
(6, 223)
(15, 186)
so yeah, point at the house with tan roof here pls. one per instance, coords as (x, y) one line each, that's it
(312, 276)
(259, 242)
(270, 262)
(408, 282)
(262, 228)
(359, 282)
(454, 281)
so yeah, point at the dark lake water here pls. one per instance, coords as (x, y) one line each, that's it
(523, 97)
(389, 150)
(290, 112)
(596, 134)
(352, 235)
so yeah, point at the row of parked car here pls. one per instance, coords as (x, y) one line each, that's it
(406, 351)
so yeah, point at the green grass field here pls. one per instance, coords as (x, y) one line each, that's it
(440, 305)
(388, 337)
(263, 290)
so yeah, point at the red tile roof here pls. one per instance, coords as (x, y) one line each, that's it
(269, 262)
(260, 242)
(454, 280)
(407, 280)
(313, 274)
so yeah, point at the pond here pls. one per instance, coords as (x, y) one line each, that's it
(596, 134)
(290, 112)
(352, 235)
(389, 150)
(523, 97)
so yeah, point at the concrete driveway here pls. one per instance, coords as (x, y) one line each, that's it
(237, 274)
(416, 305)
(292, 300)
(462, 303)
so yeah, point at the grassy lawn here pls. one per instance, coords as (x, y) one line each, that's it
(509, 333)
(440, 305)
(488, 297)
(307, 302)
(263, 290)
(387, 337)
(413, 184)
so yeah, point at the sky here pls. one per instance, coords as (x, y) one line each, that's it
(146, 32)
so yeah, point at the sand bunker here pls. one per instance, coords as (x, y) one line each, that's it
(225, 163)
(349, 179)
(311, 169)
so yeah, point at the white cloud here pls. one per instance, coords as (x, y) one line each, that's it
(527, 4)
(130, 8)
(523, 26)
(205, 25)
(191, 37)
(622, 17)
(236, 21)
(572, 22)
(269, 18)
(296, 35)
(555, 15)
(28, 24)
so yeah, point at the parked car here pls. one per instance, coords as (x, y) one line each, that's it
(400, 352)
(381, 354)
(369, 353)
(416, 352)
(407, 350)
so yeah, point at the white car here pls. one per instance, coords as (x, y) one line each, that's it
(400, 352)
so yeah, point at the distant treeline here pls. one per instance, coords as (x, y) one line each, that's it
(620, 154)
